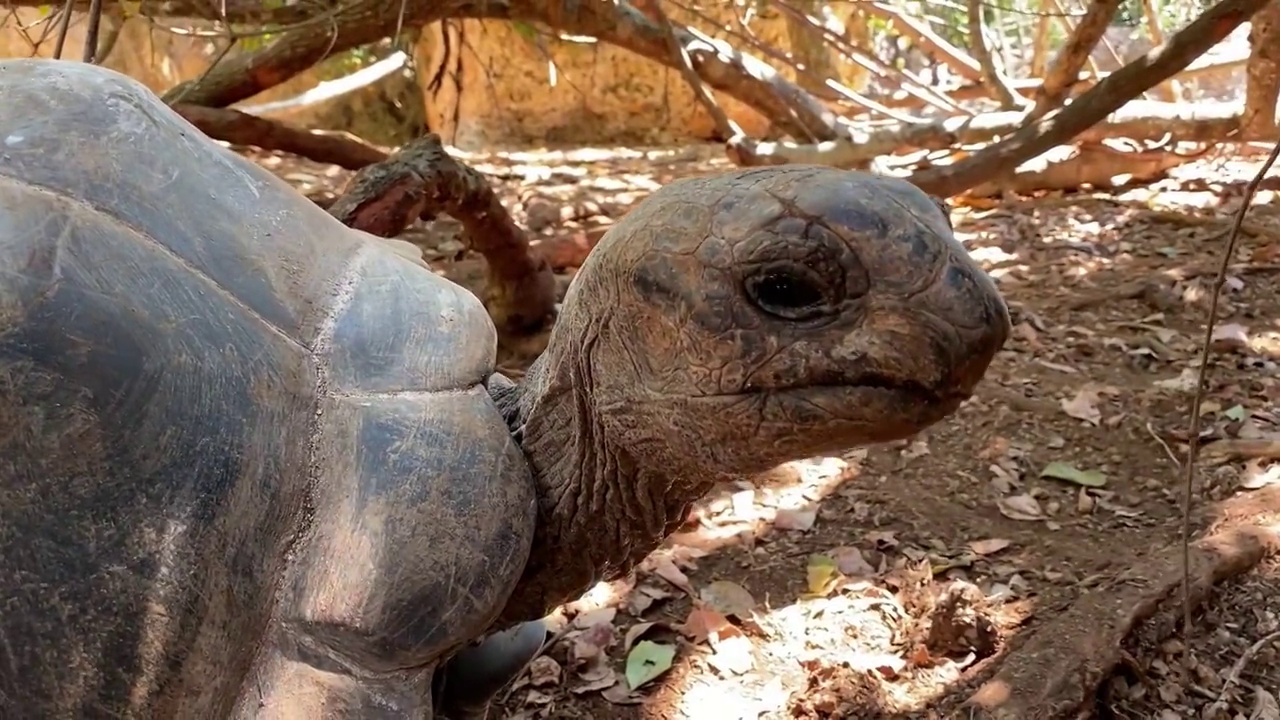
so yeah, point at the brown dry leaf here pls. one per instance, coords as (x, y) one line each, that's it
(544, 671)
(592, 644)
(645, 596)
(702, 622)
(797, 519)
(1021, 507)
(665, 568)
(635, 632)
(882, 539)
(850, 562)
(1230, 337)
(596, 617)
(620, 694)
(1084, 406)
(1265, 706)
(989, 546)
(605, 679)
(729, 598)
(537, 697)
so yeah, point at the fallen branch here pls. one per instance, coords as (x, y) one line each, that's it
(1138, 120)
(422, 179)
(1093, 164)
(1086, 80)
(1057, 672)
(240, 128)
(1237, 448)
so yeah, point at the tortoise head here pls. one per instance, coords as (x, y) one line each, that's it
(738, 321)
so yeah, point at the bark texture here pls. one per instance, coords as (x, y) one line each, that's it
(422, 179)
(240, 128)
(1071, 59)
(1263, 71)
(1093, 106)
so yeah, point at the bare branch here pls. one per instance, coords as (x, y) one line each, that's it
(1094, 105)
(1008, 97)
(1066, 67)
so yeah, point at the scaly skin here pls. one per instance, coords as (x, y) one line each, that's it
(729, 324)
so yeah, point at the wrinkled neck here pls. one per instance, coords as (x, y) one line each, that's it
(599, 512)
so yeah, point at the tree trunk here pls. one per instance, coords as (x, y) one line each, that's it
(1066, 67)
(422, 179)
(240, 128)
(1094, 105)
(1263, 71)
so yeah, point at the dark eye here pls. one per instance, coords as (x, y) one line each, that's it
(787, 294)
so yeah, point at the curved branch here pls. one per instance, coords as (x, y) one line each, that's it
(1093, 106)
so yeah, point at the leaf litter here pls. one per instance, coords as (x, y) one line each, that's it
(931, 542)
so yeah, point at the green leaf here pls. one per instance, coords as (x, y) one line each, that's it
(1072, 474)
(822, 574)
(1236, 413)
(646, 661)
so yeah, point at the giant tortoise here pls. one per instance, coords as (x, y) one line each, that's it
(256, 465)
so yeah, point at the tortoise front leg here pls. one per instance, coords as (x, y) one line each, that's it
(470, 680)
(295, 682)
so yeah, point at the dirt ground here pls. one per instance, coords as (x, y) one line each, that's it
(1042, 518)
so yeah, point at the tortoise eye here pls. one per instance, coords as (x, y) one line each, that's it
(788, 293)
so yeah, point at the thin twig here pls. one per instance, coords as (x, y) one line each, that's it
(64, 24)
(724, 125)
(1220, 705)
(1167, 450)
(1193, 442)
(91, 32)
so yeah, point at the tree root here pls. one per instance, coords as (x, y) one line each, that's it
(1058, 671)
(422, 180)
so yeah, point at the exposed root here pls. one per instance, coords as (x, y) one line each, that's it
(423, 180)
(1058, 671)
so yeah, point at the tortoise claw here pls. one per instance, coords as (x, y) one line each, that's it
(470, 680)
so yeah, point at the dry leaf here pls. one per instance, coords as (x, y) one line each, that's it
(1084, 406)
(665, 568)
(596, 617)
(592, 643)
(1230, 337)
(729, 598)
(702, 622)
(989, 546)
(1265, 706)
(634, 632)
(620, 694)
(800, 519)
(849, 561)
(544, 671)
(607, 679)
(1020, 507)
